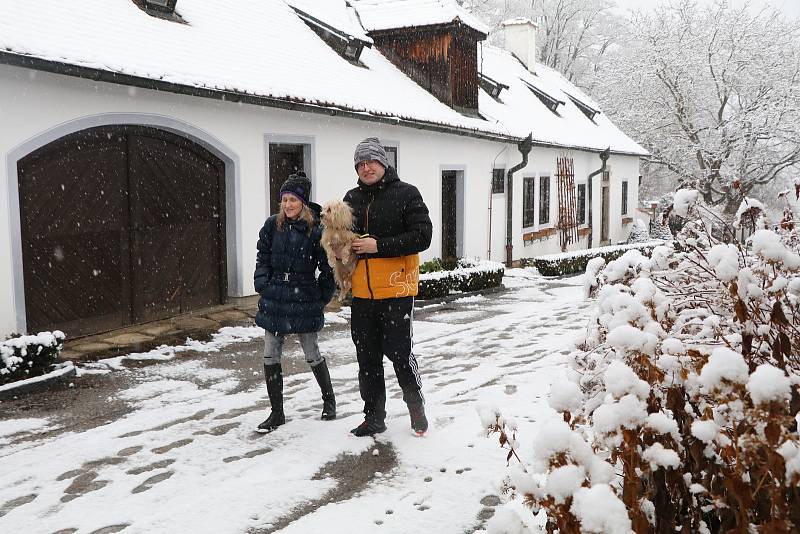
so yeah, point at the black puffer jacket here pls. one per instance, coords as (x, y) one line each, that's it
(394, 213)
(292, 296)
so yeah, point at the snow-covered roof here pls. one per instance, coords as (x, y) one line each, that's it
(261, 49)
(253, 47)
(519, 107)
(379, 15)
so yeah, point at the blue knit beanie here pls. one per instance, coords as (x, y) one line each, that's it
(298, 185)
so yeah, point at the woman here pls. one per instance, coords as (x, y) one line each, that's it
(292, 297)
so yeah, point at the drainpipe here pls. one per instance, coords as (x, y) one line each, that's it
(525, 148)
(603, 158)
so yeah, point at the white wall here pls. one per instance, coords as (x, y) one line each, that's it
(542, 161)
(37, 108)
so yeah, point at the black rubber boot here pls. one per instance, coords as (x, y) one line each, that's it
(323, 377)
(273, 374)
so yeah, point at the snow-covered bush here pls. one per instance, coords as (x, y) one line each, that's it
(683, 415)
(565, 263)
(26, 356)
(467, 276)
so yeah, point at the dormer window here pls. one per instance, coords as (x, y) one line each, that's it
(587, 110)
(161, 9)
(551, 103)
(344, 44)
(491, 86)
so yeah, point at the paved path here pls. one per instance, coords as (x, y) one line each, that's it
(116, 446)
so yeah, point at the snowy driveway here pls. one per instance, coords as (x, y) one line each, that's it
(186, 459)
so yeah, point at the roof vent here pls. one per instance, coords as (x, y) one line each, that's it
(551, 103)
(161, 9)
(587, 110)
(167, 6)
(491, 86)
(346, 45)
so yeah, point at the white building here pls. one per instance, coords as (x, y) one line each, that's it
(142, 143)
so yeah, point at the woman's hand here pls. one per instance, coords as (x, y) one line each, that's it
(364, 245)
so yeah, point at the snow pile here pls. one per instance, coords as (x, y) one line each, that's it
(684, 384)
(685, 199)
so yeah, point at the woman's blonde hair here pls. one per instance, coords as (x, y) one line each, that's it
(305, 214)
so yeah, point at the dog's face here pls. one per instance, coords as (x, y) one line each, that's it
(337, 214)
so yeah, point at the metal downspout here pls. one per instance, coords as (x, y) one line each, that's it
(604, 155)
(525, 148)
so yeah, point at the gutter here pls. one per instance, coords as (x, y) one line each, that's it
(525, 148)
(603, 158)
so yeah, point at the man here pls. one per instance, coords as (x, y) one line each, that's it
(393, 221)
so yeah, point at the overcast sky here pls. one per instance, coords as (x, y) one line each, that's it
(790, 7)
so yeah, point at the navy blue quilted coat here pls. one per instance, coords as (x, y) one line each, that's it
(292, 296)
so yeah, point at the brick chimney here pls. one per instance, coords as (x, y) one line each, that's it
(520, 37)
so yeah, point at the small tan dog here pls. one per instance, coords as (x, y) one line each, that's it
(337, 236)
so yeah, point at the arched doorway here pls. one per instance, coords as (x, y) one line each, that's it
(120, 225)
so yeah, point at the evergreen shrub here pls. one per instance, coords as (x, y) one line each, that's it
(467, 275)
(28, 356)
(575, 262)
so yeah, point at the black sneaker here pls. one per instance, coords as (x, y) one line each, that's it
(368, 428)
(419, 423)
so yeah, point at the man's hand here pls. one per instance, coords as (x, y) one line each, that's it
(365, 245)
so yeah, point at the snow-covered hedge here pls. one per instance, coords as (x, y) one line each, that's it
(575, 262)
(684, 409)
(468, 276)
(27, 356)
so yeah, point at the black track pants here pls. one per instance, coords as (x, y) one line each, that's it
(383, 328)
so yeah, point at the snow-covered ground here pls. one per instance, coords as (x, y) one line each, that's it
(187, 459)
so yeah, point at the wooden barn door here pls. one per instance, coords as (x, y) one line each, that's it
(177, 220)
(120, 225)
(74, 221)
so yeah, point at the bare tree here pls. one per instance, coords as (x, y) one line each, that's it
(572, 35)
(713, 92)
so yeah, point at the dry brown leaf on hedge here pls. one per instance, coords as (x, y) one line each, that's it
(777, 316)
(773, 432)
(747, 344)
(741, 311)
(786, 344)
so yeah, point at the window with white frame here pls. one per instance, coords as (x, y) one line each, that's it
(498, 181)
(391, 155)
(544, 200)
(528, 203)
(581, 215)
(625, 197)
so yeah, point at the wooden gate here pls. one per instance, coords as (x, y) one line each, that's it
(567, 204)
(120, 225)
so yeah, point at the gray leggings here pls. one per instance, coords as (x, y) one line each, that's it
(273, 348)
